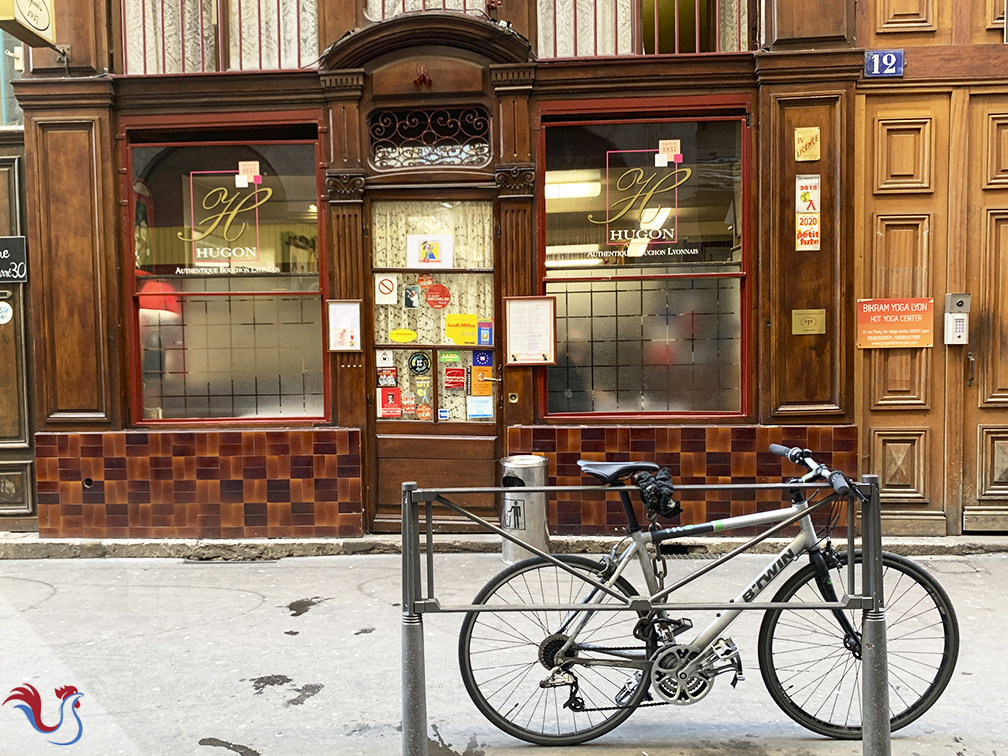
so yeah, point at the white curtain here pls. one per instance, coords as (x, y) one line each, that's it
(377, 10)
(180, 36)
(604, 27)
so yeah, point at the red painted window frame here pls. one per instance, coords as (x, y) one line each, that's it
(129, 125)
(656, 110)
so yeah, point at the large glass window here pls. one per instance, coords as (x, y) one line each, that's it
(644, 254)
(227, 284)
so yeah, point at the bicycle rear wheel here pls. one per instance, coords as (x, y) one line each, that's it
(504, 656)
(816, 680)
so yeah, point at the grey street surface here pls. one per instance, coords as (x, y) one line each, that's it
(301, 656)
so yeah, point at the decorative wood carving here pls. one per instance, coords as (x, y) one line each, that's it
(997, 151)
(904, 150)
(992, 365)
(901, 457)
(16, 497)
(345, 187)
(516, 181)
(993, 463)
(905, 16)
(995, 14)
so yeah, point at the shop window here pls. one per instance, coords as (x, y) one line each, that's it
(10, 111)
(434, 311)
(227, 282)
(192, 36)
(421, 138)
(644, 253)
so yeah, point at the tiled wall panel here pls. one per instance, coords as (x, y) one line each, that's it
(694, 455)
(241, 484)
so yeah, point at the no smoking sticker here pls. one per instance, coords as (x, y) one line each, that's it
(386, 290)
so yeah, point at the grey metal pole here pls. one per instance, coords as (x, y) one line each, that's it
(414, 689)
(876, 733)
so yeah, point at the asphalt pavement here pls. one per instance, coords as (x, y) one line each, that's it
(302, 656)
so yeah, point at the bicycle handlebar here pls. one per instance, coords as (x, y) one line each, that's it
(799, 456)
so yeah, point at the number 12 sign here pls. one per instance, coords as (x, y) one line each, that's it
(883, 63)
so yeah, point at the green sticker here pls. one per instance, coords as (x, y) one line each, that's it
(449, 357)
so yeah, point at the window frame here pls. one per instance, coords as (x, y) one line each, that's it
(684, 109)
(133, 127)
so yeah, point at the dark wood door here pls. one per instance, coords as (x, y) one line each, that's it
(17, 478)
(433, 367)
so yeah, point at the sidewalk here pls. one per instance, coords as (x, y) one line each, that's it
(301, 657)
(30, 546)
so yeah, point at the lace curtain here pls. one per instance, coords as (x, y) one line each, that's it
(180, 36)
(377, 10)
(604, 27)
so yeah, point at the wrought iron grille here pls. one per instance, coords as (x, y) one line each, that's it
(421, 138)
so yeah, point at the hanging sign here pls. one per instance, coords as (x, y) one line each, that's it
(30, 21)
(13, 260)
(438, 296)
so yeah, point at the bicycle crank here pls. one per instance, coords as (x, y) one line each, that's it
(681, 678)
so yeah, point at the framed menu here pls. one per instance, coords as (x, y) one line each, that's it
(344, 325)
(530, 330)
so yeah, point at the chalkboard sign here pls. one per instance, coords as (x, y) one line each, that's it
(13, 260)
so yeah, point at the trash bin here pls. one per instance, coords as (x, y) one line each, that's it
(523, 514)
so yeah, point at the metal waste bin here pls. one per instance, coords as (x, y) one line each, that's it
(524, 514)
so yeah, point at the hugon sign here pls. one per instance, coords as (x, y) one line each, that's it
(229, 213)
(30, 21)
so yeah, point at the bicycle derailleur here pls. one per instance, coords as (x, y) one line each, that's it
(681, 675)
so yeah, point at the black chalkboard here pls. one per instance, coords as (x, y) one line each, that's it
(13, 260)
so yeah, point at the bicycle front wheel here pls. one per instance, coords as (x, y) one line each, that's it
(509, 659)
(814, 673)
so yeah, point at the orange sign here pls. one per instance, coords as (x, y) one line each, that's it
(889, 323)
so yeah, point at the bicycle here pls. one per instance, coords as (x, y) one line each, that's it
(562, 675)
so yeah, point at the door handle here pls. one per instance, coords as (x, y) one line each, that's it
(972, 368)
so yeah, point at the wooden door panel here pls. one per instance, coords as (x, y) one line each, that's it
(905, 176)
(984, 360)
(446, 462)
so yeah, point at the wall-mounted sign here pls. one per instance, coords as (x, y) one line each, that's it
(13, 260)
(530, 330)
(888, 323)
(883, 63)
(30, 21)
(344, 325)
(429, 251)
(808, 322)
(807, 204)
(806, 144)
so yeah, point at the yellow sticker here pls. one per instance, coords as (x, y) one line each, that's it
(461, 329)
(806, 144)
(402, 335)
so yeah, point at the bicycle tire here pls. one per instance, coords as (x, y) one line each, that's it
(501, 655)
(818, 682)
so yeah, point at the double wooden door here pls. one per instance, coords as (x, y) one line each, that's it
(935, 221)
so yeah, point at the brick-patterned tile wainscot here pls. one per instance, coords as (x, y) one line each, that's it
(695, 455)
(241, 484)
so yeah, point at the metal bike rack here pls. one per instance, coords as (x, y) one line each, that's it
(876, 735)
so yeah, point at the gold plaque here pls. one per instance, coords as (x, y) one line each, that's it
(805, 322)
(806, 144)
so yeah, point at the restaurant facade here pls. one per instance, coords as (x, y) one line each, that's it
(283, 256)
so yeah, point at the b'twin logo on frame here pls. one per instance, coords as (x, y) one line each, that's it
(773, 571)
(68, 729)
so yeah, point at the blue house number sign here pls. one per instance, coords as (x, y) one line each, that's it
(883, 63)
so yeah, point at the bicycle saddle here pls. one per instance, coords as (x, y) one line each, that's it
(610, 472)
